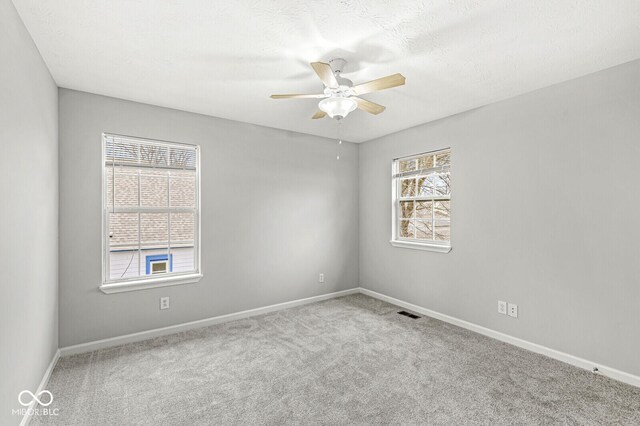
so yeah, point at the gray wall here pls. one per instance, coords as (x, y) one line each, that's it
(29, 215)
(544, 214)
(299, 207)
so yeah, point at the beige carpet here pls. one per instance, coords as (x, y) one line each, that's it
(351, 360)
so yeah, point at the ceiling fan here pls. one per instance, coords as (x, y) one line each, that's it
(340, 96)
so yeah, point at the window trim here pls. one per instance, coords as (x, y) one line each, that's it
(410, 243)
(108, 286)
(156, 282)
(438, 248)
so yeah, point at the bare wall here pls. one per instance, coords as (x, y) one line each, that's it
(29, 215)
(544, 214)
(277, 209)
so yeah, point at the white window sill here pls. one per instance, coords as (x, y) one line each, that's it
(439, 248)
(150, 283)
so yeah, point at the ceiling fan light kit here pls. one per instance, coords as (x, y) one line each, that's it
(337, 107)
(340, 96)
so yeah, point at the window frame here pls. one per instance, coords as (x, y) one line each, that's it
(396, 182)
(109, 285)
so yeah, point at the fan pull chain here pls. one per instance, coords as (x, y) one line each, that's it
(339, 141)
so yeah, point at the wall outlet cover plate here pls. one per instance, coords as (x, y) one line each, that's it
(164, 303)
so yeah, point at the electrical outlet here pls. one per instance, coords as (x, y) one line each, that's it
(513, 310)
(502, 307)
(321, 278)
(164, 303)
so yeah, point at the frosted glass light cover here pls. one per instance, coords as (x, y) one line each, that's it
(337, 106)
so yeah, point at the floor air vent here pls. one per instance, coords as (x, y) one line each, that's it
(408, 314)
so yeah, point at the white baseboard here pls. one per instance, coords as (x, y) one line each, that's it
(42, 386)
(533, 347)
(150, 334)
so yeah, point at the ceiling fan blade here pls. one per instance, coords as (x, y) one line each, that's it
(379, 84)
(296, 96)
(370, 107)
(319, 114)
(325, 73)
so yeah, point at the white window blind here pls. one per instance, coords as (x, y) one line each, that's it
(422, 198)
(151, 209)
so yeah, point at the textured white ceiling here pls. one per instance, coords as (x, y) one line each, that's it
(224, 58)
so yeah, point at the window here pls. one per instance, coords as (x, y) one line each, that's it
(422, 201)
(151, 214)
(159, 264)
